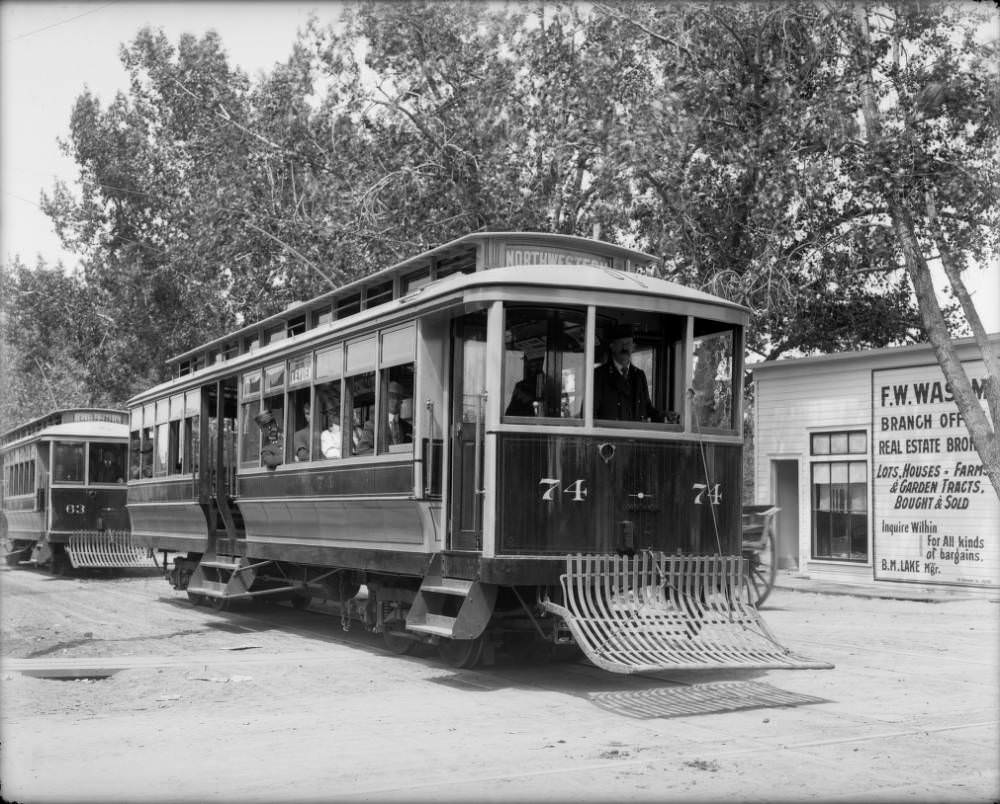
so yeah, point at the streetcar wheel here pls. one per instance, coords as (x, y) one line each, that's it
(394, 641)
(763, 571)
(461, 653)
(220, 603)
(60, 565)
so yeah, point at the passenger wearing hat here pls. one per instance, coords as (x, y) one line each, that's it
(270, 454)
(621, 391)
(398, 430)
(529, 392)
(301, 441)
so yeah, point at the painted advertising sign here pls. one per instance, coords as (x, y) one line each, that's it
(936, 518)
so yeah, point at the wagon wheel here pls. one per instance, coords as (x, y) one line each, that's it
(763, 569)
(461, 653)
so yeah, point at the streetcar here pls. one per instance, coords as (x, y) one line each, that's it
(428, 448)
(64, 492)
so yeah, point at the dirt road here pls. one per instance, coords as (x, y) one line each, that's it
(272, 704)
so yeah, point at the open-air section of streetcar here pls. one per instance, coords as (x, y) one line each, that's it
(513, 439)
(64, 494)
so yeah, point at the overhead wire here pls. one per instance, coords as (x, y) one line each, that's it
(58, 23)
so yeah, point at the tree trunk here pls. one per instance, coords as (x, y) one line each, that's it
(983, 434)
(978, 424)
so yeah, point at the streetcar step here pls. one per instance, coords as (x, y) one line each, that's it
(226, 565)
(434, 624)
(446, 586)
(222, 578)
(451, 607)
(653, 612)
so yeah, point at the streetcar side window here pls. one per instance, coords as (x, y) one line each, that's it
(192, 432)
(273, 410)
(146, 448)
(396, 417)
(329, 444)
(397, 396)
(543, 362)
(174, 466)
(359, 398)
(43, 465)
(328, 424)
(250, 432)
(714, 376)
(161, 452)
(68, 462)
(359, 394)
(134, 443)
(300, 420)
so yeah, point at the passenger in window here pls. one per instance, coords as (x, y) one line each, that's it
(398, 430)
(270, 455)
(621, 391)
(147, 456)
(331, 439)
(133, 456)
(301, 441)
(362, 435)
(528, 397)
(108, 471)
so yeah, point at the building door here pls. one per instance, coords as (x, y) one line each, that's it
(468, 431)
(785, 482)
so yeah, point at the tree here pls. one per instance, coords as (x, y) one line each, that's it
(738, 180)
(49, 334)
(932, 118)
(727, 138)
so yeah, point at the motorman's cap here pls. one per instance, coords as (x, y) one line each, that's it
(619, 331)
(264, 418)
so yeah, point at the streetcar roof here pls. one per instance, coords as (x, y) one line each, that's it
(473, 252)
(597, 280)
(79, 418)
(76, 431)
(88, 430)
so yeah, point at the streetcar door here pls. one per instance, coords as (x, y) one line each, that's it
(219, 448)
(467, 431)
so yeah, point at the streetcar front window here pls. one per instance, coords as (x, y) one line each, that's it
(69, 462)
(714, 379)
(638, 365)
(544, 362)
(106, 463)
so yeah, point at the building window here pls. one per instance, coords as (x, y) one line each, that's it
(839, 497)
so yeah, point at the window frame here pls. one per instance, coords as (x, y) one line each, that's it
(843, 502)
